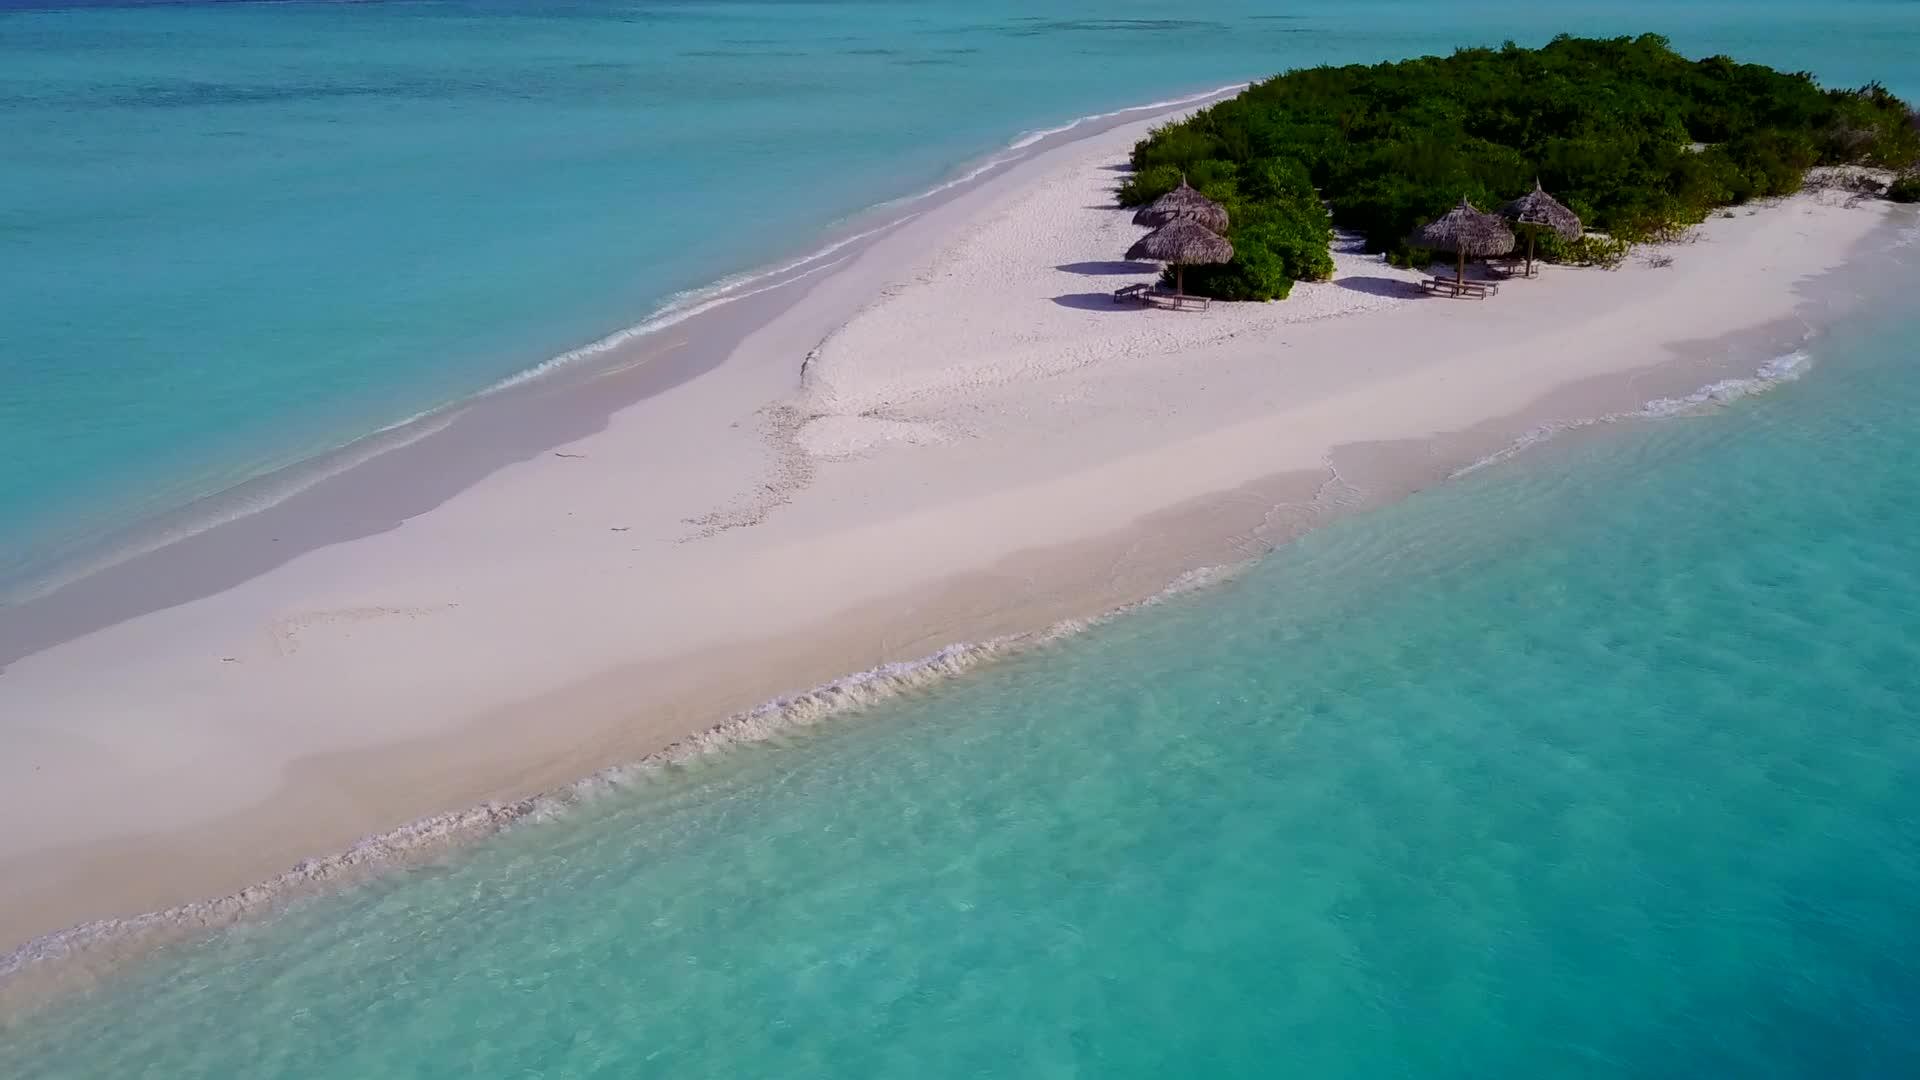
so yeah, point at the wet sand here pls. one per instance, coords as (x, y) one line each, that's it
(942, 434)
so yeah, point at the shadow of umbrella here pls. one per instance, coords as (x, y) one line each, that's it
(1094, 301)
(1109, 267)
(1381, 286)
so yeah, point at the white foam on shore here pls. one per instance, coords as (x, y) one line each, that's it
(80, 956)
(83, 954)
(685, 305)
(242, 500)
(1027, 140)
(1032, 137)
(277, 486)
(291, 480)
(1781, 369)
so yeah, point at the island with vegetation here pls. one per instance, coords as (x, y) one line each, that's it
(1637, 139)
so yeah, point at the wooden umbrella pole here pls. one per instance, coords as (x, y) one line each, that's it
(1179, 280)
(1460, 275)
(1531, 233)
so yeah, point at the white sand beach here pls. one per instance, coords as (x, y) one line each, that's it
(982, 443)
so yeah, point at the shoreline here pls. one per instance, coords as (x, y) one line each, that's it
(1086, 559)
(605, 356)
(39, 969)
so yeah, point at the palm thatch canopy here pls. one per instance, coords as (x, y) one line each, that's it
(1542, 211)
(1466, 231)
(1183, 202)
(1180, 243)
(1538, 210)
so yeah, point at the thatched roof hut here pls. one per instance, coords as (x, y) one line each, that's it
(1543, 211)
(1465, 231)
(1538, 210)
(1180, 243)
(1183, 202)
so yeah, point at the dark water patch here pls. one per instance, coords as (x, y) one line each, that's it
(741, 54)
(193, 94)
(1036, 26)
(519, 84)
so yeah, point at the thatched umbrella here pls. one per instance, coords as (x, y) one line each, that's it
(1183, 202)
(1181, 243)
(1466, 231)
(1538, 210)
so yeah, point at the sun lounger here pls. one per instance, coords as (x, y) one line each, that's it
(1153, 295)
(1479, 290)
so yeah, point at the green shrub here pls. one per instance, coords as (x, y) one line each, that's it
(1274, 245)
(1254, 274)
(1869, 126)
(1592, 249)
(1181, 145)
(1412, 258)
(1145, 185)
(1636, 138)
(1905, 190)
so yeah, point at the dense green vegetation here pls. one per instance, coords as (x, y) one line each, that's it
(1635, 138)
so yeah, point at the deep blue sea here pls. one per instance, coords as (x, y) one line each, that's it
(1603, 761)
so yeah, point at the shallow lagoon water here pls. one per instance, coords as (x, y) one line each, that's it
(236, 235)
(1601, 761)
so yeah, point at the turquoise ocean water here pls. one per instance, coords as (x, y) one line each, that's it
(235, 235)
(1602, 761)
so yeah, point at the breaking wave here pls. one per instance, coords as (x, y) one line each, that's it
(83, 954)
(1781, 369)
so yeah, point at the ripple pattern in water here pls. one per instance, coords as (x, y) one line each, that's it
(1603, 761)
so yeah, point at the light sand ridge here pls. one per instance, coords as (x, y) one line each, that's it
(1024, 293)
(974, 454)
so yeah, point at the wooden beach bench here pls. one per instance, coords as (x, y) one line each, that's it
(1479, 290)
(1145, 295)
